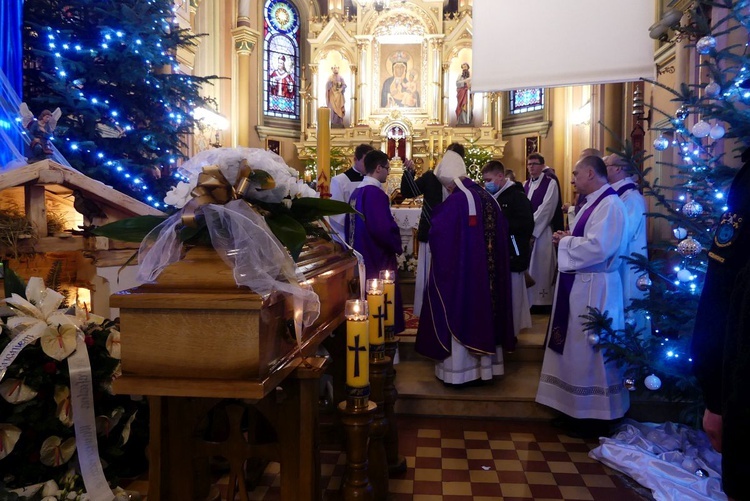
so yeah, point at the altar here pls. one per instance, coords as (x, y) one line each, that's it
(407, 219)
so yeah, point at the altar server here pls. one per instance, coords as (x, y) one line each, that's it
(376, 236)
(342, 186)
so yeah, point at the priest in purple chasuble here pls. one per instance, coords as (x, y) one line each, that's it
(376, 236)
(466, 318)
(576, 380)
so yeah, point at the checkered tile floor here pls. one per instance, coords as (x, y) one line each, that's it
(461, 459)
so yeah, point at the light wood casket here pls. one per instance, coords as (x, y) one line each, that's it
(195, 323)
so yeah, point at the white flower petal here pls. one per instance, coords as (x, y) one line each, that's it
(54, 452)
(64, 405)
(59, 343)
(113, 344)
(34, 289)
(9, 436)
(23, 308)
(14, 391)
(50, 488)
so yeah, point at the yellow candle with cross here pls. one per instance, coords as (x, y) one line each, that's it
(357, 345)
(376, 306)
(389, 294)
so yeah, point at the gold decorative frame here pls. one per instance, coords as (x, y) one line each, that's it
(531, 144)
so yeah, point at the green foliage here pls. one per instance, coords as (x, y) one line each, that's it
(476, 158)
(703, 176)
(340, 161)
(121, 94)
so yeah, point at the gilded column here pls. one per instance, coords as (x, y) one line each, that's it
(245, 38)
(361, 89)
(437, 56)
(314, 95)
(446, 79)
(486, 110)
(354, 116)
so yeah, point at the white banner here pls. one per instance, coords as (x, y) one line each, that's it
(82, 399)
(551, 43)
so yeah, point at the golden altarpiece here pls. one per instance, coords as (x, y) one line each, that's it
(402, 68)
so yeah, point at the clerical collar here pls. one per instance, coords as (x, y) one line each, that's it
(622, 182)
(591, 197)
(370, 181)
(352, 174)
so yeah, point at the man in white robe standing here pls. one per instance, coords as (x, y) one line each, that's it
(344, 184)
(543, 191)
(620, 180)
(575, 378)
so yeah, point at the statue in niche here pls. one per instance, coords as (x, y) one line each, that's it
(401, 89)
(335, 97)
(463, 96)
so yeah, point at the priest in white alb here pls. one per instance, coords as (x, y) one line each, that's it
(576, 380)
(618, 175)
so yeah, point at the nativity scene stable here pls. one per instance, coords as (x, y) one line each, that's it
(393, 74)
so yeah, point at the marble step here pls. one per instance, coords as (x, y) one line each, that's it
(509, 396)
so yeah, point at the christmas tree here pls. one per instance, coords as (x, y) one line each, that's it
(709, 129)
(111, 67)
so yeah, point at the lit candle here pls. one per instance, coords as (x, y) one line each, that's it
(357, 346)
(389, 293)
(324, 152)
(376, 306)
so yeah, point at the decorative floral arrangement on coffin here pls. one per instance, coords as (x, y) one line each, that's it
(255, 212)
(225, 176)
(39, 450)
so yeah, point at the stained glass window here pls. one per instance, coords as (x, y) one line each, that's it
(525, 100)
(281, 59)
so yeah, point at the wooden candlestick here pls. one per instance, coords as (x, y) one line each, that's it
(378, 458)
(356, 422)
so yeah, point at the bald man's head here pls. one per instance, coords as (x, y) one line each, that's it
(590, 152)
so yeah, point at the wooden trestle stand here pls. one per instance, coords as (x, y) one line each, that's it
(193, 339)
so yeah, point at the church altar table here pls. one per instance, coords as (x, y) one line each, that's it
(407, 219)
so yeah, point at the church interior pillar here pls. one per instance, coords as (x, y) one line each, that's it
(245, 39)
(446, 79)
(314, 97)
(353, 119)
(361, 88)
(437, 46)
(486, 110)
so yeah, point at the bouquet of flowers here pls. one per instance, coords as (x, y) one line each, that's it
(40, 450)
(407, 263)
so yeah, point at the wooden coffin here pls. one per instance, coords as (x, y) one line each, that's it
(195, 323)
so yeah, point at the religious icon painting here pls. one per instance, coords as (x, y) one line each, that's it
(532, 145)
(400, 75)
(273, 145)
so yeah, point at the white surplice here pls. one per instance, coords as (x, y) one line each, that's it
(579, 383)
(543, 263)
(341, 189)
(635, 205)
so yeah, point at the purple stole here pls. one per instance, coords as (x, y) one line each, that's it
(559, 331)
(625, 187)
(538, 197)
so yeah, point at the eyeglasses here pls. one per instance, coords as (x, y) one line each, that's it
(532, 163)
(386, 167)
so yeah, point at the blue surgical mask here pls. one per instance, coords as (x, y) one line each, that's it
(491, 187)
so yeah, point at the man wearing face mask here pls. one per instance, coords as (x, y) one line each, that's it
(466, 318)
(517, 210)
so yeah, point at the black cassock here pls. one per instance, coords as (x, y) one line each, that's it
(721, 337)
